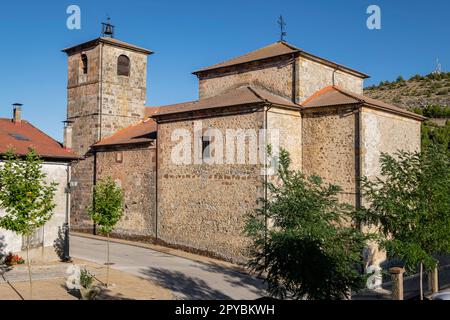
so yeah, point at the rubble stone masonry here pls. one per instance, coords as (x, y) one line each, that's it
(277, 75)
(135, 172)
(203, 206)
(329, 148)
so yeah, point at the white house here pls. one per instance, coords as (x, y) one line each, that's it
(19, 135)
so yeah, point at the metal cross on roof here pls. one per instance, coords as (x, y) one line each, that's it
(282, 24)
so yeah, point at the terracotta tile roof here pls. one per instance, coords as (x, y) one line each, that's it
(22, 135)
(241, 96)
(142, 132)
(272, 50)
(111, 41)
(335, 96)
(276, 49)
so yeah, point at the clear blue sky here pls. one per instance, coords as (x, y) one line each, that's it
(190, 34)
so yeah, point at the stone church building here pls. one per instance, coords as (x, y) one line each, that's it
(316, 105)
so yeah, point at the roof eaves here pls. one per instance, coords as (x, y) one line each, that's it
(96, 41)
(197, 72)
(335, 65)
(404, 113)
(192, 112)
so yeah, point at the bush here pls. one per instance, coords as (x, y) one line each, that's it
(86, 279)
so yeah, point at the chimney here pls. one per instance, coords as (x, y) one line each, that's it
(17, 112)
(68, 134)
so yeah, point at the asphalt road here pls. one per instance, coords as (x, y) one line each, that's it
(186, 279)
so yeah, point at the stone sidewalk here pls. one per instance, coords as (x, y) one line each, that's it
(49, 284)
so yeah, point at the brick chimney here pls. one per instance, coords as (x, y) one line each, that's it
(17, 112)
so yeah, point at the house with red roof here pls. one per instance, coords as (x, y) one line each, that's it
(19, 135)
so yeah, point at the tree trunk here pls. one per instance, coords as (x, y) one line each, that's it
(421, 281)
(107, 261)
(29, 266)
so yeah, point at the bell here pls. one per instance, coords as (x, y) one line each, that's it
(108, 30)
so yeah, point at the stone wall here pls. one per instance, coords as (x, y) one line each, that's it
(385, 132)
(388, 133)
(314, 76)
(10, 242)
(81, 196)
(277, 76)
(203, 206)
(123, 97)
(136, 174)
(329, 148)
(289, 125)
(120, 100)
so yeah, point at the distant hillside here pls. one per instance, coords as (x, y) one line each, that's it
(416, 92)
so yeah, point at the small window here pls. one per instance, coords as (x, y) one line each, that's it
(84, 62)
(119, 157)
(123, 66)
(19, 137)
(206, 147)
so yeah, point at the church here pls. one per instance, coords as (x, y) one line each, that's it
(316, 107)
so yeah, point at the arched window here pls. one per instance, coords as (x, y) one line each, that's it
(123, 66)
(84, 62)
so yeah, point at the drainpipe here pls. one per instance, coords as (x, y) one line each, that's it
(294, 79)
(266, 109)
(334, 72)
(358, 154)
(156, 181)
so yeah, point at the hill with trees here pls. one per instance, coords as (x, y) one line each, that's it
(416, 92)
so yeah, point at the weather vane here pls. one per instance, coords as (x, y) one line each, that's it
(282, 24)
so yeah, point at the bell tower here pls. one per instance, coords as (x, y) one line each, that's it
(106, 92)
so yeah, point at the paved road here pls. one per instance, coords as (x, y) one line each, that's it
(186, 279)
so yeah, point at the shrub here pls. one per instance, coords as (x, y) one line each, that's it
(86, 279)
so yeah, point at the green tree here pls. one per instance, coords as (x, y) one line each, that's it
(106, 210)
(433, 134)
(25, 196)
(310, 249)
(410, 204)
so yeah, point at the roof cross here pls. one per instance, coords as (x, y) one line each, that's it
(282, 24)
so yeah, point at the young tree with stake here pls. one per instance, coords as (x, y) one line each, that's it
(107, 209)
(25, 196)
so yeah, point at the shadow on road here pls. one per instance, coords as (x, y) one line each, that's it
(188, 287)
(183, 285)
(238, 279)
